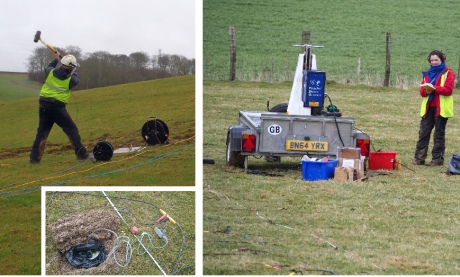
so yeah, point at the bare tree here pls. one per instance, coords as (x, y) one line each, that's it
(101, 68)
(73, 50)
(139, 60)
(163, 62)
(38, 61)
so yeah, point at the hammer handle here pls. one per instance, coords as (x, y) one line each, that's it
(50, 47)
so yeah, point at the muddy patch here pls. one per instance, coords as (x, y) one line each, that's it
(69, 231)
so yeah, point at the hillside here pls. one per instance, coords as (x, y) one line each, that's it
(17, 86)
(115, 114)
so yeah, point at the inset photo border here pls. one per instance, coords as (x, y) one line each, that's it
(118, 231)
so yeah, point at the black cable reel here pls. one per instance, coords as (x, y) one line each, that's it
(103, 151)
(155, 131)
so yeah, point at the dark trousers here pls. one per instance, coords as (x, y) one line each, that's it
(51, 112)
(426, 126)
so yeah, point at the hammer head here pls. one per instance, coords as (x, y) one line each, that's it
(37, 36)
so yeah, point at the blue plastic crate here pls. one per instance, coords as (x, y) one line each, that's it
(312, 171)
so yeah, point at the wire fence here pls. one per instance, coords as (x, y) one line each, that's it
(346, 58)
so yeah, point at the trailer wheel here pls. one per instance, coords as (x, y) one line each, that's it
(234, 158)
(280, 108)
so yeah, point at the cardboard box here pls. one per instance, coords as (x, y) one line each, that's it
(347, 174)
(353, 163)
(360, 174)
(350, 169)
(348, 153)
(341, 174)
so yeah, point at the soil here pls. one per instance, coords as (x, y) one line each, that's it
(67, 232)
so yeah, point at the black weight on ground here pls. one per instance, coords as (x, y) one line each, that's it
(208, 161)
(103, 151)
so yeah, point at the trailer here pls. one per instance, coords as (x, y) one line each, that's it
(301, 127)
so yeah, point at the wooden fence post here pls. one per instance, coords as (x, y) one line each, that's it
(305, 39)
(232, 53)
(386, 82)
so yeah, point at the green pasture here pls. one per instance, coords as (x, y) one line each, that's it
(140, 209)
(115, 114)
(349, 31)
(402, 222)
(16, 86)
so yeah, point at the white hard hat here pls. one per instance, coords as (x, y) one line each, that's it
(69, 60)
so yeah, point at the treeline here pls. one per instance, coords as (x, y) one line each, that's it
(100, 69)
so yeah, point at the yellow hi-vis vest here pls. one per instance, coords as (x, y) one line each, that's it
(56, 88)
(446, 103)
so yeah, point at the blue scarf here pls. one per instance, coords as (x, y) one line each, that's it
(434, 73)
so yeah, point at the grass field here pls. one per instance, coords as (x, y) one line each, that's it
(395, 222)
(140, 209)
(17, 86)
(115, 114)
(349, 30)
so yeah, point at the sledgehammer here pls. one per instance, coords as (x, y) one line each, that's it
(38, 38)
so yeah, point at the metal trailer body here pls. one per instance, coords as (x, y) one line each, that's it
(281, 134)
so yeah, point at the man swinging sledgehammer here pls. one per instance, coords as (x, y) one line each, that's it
(54, 97)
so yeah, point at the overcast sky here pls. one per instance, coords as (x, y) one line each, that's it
(115, 26)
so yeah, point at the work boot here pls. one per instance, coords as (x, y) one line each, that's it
(81, 152)
(420, 156)
(83, 157)
(435, 163)
(418, 162)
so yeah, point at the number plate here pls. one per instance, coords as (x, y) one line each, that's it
(307, 145)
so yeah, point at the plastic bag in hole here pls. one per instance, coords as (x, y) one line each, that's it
(86, 255)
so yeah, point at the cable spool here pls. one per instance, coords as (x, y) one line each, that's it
(155, 131)
(103, 151)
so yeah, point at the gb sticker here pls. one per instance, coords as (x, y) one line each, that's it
(274, 129)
